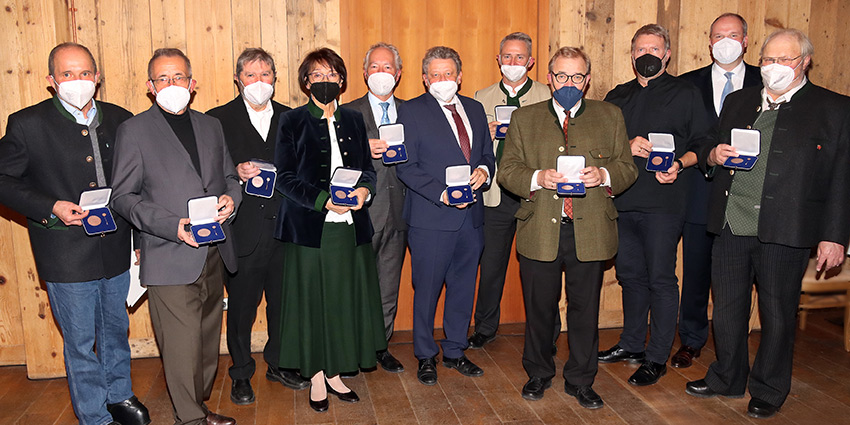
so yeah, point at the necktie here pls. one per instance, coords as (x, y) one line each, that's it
(462, 136)
(728, 88)
(385, 118)
(568, 201)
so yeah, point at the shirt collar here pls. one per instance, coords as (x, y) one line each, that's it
(717, 70)
(267, 110)
(561, 113)
(318, 112)
(77, 114)
(375, 102)
(786, 97)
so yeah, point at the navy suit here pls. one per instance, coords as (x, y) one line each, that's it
(696, 241)
(445, 242)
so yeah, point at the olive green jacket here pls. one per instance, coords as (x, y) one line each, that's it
(534, 141)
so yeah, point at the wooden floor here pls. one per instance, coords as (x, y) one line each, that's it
(820, 393)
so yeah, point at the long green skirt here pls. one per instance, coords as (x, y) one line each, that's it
(331, 309)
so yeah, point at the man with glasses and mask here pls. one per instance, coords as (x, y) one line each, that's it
(51, 152)
(728, 72)
(652, 211)
(770, 217)
(165, 157)
(515, 89)
(565, 236)
(250, 123)
(379, 106)
(443, 129)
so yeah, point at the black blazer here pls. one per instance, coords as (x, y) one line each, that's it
(44, 157)
(388, 204)
(700, 187)
(244, 144)
(303, 159)
(807, 181)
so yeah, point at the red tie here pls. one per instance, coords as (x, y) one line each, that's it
(568, 201)
(462, 136)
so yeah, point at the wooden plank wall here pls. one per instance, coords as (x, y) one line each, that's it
(123, 33)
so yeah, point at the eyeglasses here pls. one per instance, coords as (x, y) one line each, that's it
(781, 61)
(167, 81)
(315, 77)
(575, 78)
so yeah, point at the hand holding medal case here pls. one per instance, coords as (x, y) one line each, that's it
(342, 183)
(457, 179)
(100, 218)
(748, 145)
(202, 213)
(570, 166)
(503, 116)
(393, 134)
(262, 185)
(662, 155)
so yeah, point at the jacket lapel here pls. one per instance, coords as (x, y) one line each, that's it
(167, 134)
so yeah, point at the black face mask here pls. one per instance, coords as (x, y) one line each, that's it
(648, 65)
(325, 91)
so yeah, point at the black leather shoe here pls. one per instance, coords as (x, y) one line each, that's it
(216, 419)
(585, 395)
(320, 406)
(288, 378)
(477, 340)
(684, 357)
(534, 388)
(349, 397)
(130, 412)
(241, 392)
(648, 373)
(761, 409)
(427, 373)
(700, 388)
(463, 365)
(389, 363)
(616, 354)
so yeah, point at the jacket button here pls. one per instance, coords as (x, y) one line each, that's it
(92, 184)
(345, 154)
(262, 206)
(103, 235)
(84, 132)
(731, 172)
(554, 196)
(727, 193)
(274, 217)
(554, 221)
(44, 221)
(89, 158)
(560, 149)
(749, 126)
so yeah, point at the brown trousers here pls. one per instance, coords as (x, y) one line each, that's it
(187, 323)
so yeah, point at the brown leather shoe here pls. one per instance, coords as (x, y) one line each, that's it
(216, 419)
(684, 357)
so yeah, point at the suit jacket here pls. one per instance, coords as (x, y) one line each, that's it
(700, 187)
(388, 204)
(303, 159)
(245, 144)
(534, 141)
(493, 96)
(154, 180)
(432, 146)
(46, 156)
(804, 197)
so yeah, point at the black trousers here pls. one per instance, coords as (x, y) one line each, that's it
(260, 272)
(541, 290)
(696, 285)
(646, 269)
(778, 272)
(499, 230)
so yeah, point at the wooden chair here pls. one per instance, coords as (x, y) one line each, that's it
(826, 290)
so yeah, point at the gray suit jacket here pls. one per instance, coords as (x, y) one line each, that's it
(153, 179)
(388, 203)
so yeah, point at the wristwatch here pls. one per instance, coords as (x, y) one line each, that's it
(681, 165)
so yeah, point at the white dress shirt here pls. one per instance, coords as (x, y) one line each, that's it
(336, 162)
(718, 81)
(378, 112)
(514, 91)
(765, 98)
(462, 112)
(261, 120)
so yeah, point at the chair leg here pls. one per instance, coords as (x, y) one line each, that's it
(804, 299)
(847, 322)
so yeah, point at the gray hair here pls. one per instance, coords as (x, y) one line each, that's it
(252, 54)
(806, 47)
(569, 52)
(517, 36)
(653, 29)
(169, 53)
(68, 45)
(731, 15)
(390, 47)
(440, 52)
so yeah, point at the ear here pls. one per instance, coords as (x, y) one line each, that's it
(96, 78)
(459, 76)
(397, 76)
(425, 79)
(746, 42)
(530, 63)
(151, 88)
(52, 83)
(192, 85)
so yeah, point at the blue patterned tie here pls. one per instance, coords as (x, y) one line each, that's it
(385, 118)
(728, 88)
